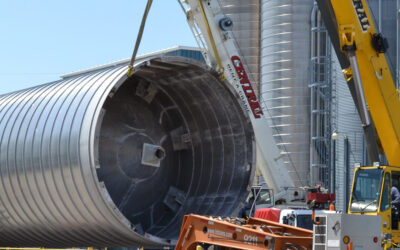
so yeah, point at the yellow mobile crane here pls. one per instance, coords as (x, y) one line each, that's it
(361, 52)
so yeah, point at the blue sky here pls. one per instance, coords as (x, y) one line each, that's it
(40, 40)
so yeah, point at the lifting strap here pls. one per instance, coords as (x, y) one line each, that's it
(131, 69)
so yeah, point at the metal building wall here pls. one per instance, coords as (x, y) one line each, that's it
(332, 103)
(386, 15)
(346, 122)
(285, 54)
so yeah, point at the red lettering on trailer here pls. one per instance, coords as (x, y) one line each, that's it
(247, 88)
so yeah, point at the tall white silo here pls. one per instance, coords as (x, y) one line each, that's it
(285, 56)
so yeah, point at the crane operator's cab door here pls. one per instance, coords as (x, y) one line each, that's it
(372, 195)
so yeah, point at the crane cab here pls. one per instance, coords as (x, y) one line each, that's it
(372, 195)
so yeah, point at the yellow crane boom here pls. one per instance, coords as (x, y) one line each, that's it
(364, 48)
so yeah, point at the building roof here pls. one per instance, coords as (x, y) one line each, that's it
(140, 58)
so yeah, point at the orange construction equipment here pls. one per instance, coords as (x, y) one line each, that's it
(236, 233)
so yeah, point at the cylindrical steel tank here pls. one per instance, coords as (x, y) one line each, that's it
(285, 57)
(99, 159)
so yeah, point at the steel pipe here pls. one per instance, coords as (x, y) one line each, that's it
(98, 159)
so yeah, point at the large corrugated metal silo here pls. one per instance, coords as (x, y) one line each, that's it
(285, 54)
(102, 159)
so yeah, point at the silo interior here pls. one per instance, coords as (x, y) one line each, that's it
(197, 162)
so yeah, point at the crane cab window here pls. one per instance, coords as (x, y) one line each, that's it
(385, 200)
(366, 190)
